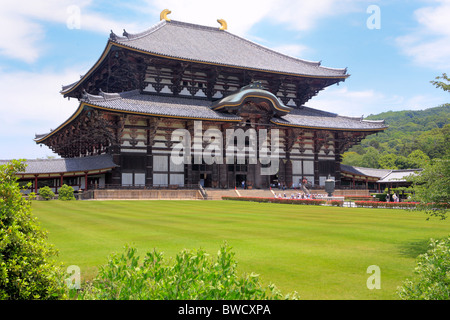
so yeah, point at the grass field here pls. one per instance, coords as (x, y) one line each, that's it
(320, 252)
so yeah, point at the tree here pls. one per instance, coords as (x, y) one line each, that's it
(417, 159)
(441, 84)
(352, 159)
(387, 161)
(46, 193)
(66, 193)
(27, 267)
(370, 158)
(432, 188)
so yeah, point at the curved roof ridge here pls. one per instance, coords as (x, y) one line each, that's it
(163, 23)
(133, 36)
(258, 45)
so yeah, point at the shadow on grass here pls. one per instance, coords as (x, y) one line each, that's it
(415, 248)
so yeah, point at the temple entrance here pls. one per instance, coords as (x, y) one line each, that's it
(273, 181)
(241, 181)
(206, 180)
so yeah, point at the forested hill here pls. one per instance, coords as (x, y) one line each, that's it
(412, 138)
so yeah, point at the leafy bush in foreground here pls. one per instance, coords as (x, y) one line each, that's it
(27, 268)
(192, 276)
(432, 281)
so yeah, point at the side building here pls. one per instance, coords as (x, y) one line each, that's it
(209, 91)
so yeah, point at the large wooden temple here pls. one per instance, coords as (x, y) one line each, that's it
(202, 80)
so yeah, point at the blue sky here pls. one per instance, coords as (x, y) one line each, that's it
(45, 44)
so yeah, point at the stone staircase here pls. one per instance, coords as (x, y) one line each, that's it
(217, 194)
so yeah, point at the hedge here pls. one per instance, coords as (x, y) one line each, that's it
(314, 202)
(361, 198)
(381, 204)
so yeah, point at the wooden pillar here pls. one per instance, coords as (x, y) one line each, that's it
(288, 174)
(316, 149)
(316, 169)
(60, 182)
(223, 176)
(36, 184)
(85, 181)
(337, 161)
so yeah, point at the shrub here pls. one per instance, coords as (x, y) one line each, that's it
(27, 268)
(336, 203)
(46, 193)
(314, 202)
(193, 275)
(432, 281)
(387, 205)
(66, 193)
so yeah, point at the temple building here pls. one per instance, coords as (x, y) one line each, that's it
(203, 88)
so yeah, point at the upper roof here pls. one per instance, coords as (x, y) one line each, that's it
(202, 44)
(198, 43)
(83, 164)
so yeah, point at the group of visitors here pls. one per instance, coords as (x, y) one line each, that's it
(301, 183)
(395, 198)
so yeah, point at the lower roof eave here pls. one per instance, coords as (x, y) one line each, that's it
(328, 128)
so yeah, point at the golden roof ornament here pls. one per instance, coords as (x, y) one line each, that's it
(223, 24)
(164, 13)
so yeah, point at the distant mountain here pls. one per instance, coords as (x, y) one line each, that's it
(412, 137)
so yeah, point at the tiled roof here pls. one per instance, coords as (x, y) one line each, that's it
(198, 43)
(398, 175)
(42, 166)
(385, 175)
(133, 101)
(313, 118)
(370, 172)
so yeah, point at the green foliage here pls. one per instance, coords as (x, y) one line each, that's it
(46, 193)
(432, 188)
(386, 205)
(432, 274)
(66, 193)
(27, 268)
(412, 138)
(444, 85)
(313, 202)
(193, 275)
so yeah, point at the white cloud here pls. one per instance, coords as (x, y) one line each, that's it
(25, 30)
(22, 24)
(241, 16)
(293, 50)
(429, 44)
(357, 103)
(30, 104)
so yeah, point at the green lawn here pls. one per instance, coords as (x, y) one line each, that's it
(320, 252)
